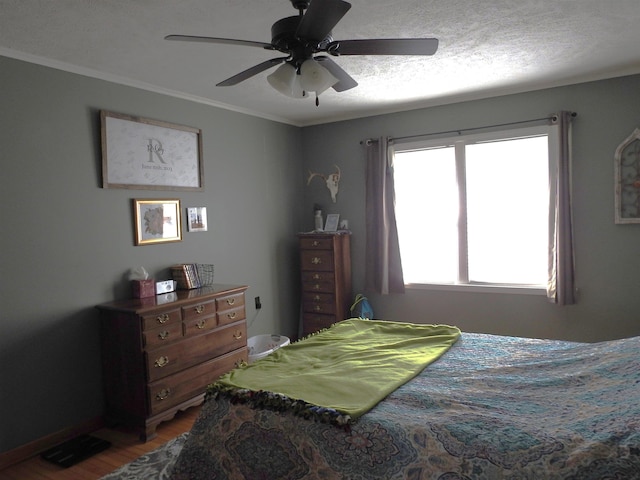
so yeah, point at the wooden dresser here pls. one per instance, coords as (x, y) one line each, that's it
(325, 261)
(160, 353)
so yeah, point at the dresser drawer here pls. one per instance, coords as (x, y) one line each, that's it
(181, 386)
(318, 303)
(160, 319)
(230, 302)
(164, 361)
(313, 322)
(162, 335)
(199, 310)
(230, 316)
(319, 260)
(316, 243)
(318, 277)
(199, 325)
(318, 282)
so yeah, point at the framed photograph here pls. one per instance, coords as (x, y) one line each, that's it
(331, 224)
(157, 221)
(197, 219)
(627, 179)
(150, 155)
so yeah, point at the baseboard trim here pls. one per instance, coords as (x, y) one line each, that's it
(31, 449)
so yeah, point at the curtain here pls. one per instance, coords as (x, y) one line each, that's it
(561, 284)
(383, 268)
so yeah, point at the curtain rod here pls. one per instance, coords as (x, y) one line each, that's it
(552, 118)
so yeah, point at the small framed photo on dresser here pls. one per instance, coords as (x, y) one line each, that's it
(332, 222)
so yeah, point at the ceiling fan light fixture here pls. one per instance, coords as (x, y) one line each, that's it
(285, 80)
(315, 78)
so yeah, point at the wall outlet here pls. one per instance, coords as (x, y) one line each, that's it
(258, 304)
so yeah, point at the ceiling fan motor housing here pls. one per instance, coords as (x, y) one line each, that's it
(300, 4)
(284, 39)
(283, 34)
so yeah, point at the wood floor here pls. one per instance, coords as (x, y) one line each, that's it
(125, 447)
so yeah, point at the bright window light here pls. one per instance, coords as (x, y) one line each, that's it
(427, 215)
(508, 211)
(474, 210)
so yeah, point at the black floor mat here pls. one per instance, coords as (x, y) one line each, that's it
(75, 450)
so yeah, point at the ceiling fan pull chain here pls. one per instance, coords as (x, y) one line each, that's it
(317, 100)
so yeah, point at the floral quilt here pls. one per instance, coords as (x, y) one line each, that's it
(490, 408)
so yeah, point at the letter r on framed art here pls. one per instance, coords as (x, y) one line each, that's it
(150, 155)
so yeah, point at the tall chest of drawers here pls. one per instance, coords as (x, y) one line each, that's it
(160, 353)
(325, 262)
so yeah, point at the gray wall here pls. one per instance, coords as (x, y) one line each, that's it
(67, 244)
(607, 255)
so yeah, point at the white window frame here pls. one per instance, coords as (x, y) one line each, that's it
(459, 142)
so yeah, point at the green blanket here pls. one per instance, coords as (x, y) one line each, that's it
(346, 369)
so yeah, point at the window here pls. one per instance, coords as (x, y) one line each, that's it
(474, 210)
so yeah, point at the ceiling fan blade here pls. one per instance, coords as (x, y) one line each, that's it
(345, 81)
(250, 72)
(230, 41)
(384, 46)
(320, 18)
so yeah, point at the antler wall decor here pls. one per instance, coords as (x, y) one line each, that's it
(332, 181)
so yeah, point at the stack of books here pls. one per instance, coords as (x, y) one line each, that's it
(186, 276)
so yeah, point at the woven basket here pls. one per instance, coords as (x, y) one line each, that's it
(205, 273)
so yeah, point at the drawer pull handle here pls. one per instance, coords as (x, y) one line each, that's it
(162, 361)
(164, 318)
(231, 301)
(316, 260)
(201, 323)
(316, 243)
(232, 315)
(199, 309)
(237, 335)
(316, 276)
(316, 298)
(316, 286)
(241, 363)
(163, 394)
(317, 308)
(163, 335)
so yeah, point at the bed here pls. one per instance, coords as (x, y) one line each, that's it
(490, 407)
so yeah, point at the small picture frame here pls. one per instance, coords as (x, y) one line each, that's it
(197, 219)
(331, 224)
(156, 221)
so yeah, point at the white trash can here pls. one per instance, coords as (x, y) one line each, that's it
(262, 345)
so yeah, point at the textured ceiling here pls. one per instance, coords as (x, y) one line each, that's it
(487, 48)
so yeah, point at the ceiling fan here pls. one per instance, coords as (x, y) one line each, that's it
(305, 39)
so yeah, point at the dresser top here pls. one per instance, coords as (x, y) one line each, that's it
(173, 299)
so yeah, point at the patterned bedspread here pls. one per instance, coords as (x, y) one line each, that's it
(491, 408)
